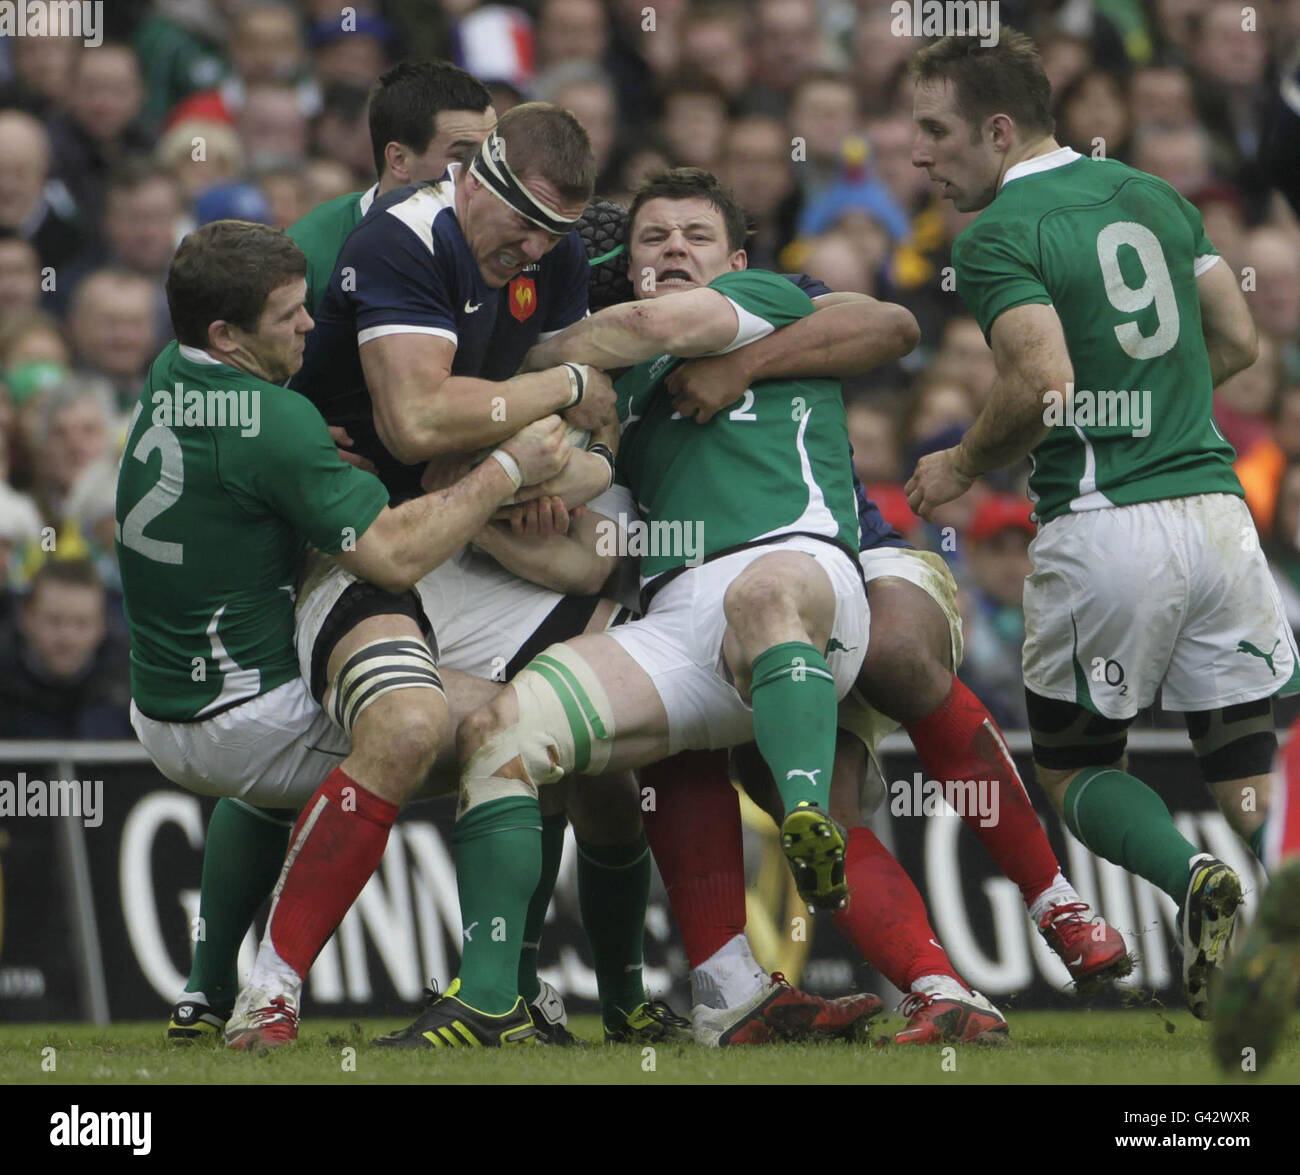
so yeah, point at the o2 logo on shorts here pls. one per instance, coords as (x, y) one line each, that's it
(1110, 671)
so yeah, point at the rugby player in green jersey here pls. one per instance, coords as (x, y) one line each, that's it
(1111, 319)
(757, 617)
(227, 478)
(423, 115)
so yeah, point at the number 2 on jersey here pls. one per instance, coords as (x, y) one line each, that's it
(171, 480)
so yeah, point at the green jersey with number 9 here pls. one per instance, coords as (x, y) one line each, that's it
(1117, 253)
(224, 480)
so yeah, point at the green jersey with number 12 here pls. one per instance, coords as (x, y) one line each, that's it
(775, 462)
(1117, 253)
(223, 479)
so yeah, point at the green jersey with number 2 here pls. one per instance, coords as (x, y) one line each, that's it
(213, 512)
(775, 462)
(1117, 253)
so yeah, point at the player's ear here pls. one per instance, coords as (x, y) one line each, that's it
(738, 260)
(220, 339)
(396, 161)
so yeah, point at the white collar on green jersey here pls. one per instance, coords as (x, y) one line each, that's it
(199, 355)
(368, 198)
(1058, 158)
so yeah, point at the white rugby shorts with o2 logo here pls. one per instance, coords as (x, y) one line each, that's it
(1175, 593)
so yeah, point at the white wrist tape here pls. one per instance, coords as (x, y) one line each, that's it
(577, 383)
(510, 465)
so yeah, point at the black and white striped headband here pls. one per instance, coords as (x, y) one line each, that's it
(493, 172)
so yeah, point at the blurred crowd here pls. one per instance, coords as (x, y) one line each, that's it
(194, 110)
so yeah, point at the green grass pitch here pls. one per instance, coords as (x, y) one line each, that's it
(1047, 1048)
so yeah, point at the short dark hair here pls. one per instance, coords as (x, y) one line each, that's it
(78, 572)
(225, 271)
(1006, 78)
(693, 183)
(134, 172)
(407, 98)
(548, 140)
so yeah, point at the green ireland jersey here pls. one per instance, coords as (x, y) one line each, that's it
(321, 233)
(224, 479)
(1117, 253)
(775, 462)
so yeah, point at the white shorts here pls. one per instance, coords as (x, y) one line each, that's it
(930, 573)
(1174, 593)
(483, 614)
(679, 644)
(272, 751)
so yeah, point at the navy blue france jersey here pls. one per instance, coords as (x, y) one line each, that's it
(407, 269)
(876, 532)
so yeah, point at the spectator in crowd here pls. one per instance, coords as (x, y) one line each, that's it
(272, 126)
(181, 47)
(713, 46)
(342, 133)
(965, 359)
(38, 210)
(997, 562)
(756, 164)
(1092, 115)
(571, 30)
(64, 677)
(42, 68)
(20, 526)
(286, 192)
(585, 88)
(785, 49)
(693, 122)
(357, 54)
(31, 336)
(200, 154)
(1260, 468)
(823, 117)
(1181, 157)
(112, 328)
(101, 126)
(267, 47)
(1243, 402)
(879, 59)
(77, 427)
(1161, 97)
(20, 274)
(1274, 255)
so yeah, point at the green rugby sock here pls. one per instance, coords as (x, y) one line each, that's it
(795, 711)
(498, 850)
(552, 849)
(1121, 819)
(242, 859)
(613, 892)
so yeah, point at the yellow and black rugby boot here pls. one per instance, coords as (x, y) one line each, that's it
(193, 1021)
(815, 845)
(450, 1023)
(1208, 915)
(650, 1022)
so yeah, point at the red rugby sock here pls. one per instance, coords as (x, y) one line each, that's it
(694, 833)
(336, 845)
(960, 741)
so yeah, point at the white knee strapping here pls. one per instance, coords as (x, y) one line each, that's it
(375, 669)
(566, 724)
